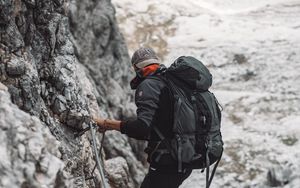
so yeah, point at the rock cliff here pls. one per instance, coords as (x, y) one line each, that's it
(62, 61)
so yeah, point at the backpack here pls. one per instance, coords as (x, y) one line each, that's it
(197, 141)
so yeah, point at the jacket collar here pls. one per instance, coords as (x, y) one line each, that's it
(142, 74)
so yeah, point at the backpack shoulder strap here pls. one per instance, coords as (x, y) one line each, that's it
(164, 141)
(158, 77)
(157, 131)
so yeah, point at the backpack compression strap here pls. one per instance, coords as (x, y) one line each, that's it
(208, 179)
(208, 182)
(160, 135)
(207, 150)
(164, 140)
(177, 156)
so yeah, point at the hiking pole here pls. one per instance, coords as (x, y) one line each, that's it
(101, 171)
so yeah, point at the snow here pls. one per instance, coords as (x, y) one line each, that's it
(253, 51)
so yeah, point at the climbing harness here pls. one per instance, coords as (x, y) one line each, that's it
(99, 161)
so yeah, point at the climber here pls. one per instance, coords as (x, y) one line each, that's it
(154, 107)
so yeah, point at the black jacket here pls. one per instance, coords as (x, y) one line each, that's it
(154, 108)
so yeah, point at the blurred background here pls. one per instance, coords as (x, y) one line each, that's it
(252, 49)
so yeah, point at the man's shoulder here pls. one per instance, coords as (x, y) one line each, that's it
(152, 82)
(151, 85)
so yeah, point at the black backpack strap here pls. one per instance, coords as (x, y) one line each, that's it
(193, 98)
(164, 141)
(161, 152)
(209, 178)
(169, 148)
(207, 169)
(179, 153)
(157, 131)
(208, 182)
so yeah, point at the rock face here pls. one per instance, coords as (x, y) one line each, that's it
(62, 61)
(25, 149)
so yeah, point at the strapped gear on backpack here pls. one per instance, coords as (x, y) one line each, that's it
(197, 141)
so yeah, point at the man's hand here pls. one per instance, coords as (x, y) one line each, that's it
(99, 121)
(101, 124)
(107, 124)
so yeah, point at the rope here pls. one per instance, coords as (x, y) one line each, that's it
(98, 162)
(101, 147)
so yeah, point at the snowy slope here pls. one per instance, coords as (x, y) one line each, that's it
(253, 50)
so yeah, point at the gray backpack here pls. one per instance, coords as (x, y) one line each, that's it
(197, 141)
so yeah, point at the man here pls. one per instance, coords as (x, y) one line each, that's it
(154, 108)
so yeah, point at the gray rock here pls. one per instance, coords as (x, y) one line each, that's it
(15, 68)
(6, 7)
(279, 176)
(27, 158)
(62, 62)
(118, 172)
(59, 104)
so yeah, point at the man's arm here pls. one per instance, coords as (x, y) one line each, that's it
(146, 99)
(133, 128)
(108, 124)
